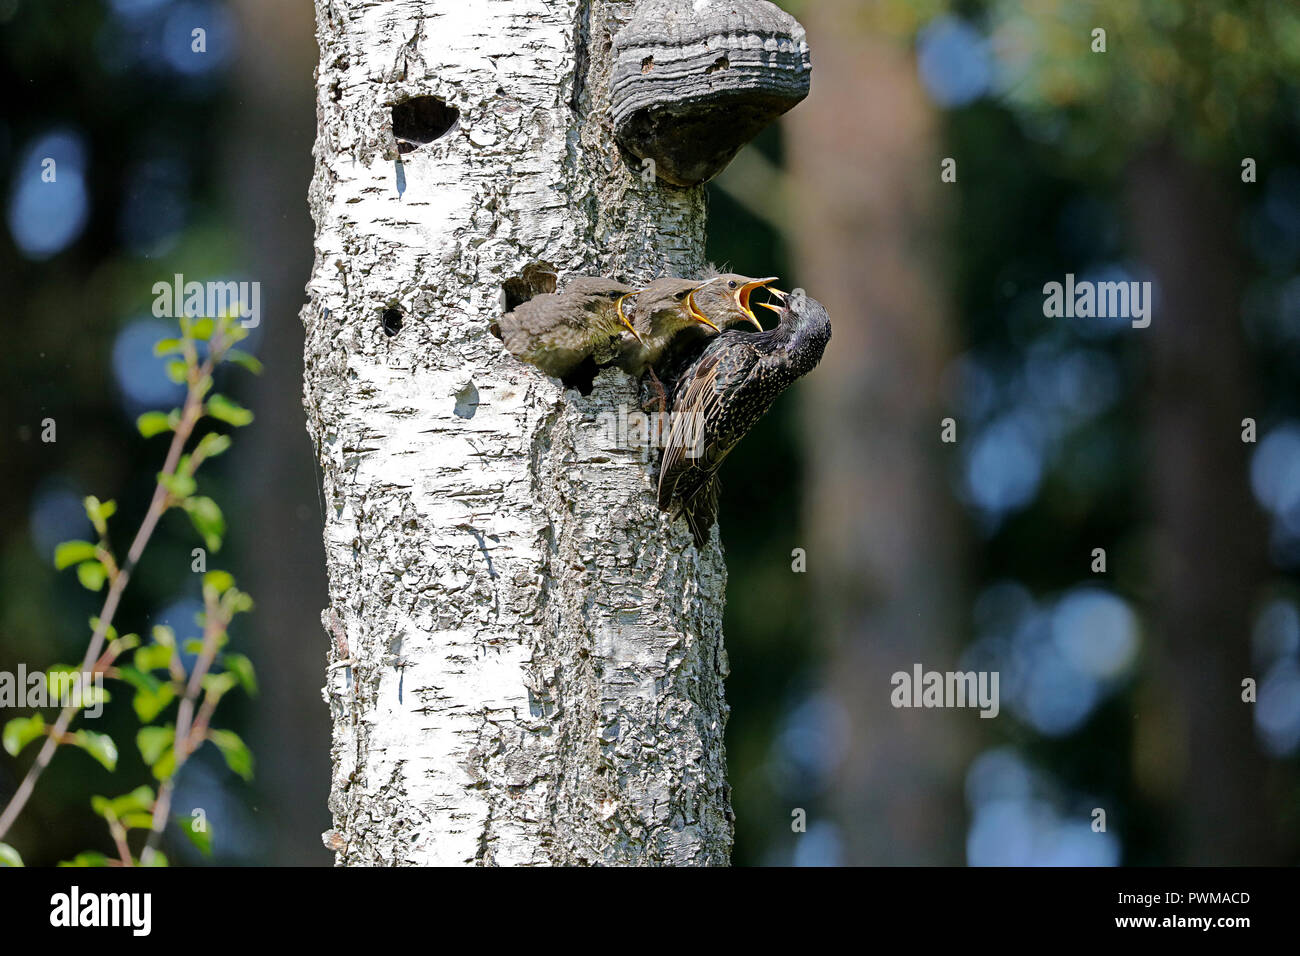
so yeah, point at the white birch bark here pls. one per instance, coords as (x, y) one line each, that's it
(537, 656)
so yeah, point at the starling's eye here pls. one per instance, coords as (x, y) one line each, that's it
(731, 284)
(613, 296)
(682, 295)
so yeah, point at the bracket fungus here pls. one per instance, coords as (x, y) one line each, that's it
(695, 80)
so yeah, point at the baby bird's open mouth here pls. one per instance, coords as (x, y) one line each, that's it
(748, 289)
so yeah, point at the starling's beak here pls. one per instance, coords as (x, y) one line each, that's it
(769, 305)
(778, 293)
(745, 291)
(697, 315)
(623, 318)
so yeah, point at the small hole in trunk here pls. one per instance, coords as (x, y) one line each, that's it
(391, 321)
(422, 119)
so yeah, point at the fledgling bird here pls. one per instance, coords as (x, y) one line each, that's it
(659, 313)
(724, 299)
(724, 393)
(556, 331)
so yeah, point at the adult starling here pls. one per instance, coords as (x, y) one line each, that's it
(556, 331)
(720, 397)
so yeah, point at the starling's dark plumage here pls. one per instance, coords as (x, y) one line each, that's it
(558, 330)
(723, 394)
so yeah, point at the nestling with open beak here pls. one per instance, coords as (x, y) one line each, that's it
(724, 299)
(556, 331)
(659, 313)
(724, 393)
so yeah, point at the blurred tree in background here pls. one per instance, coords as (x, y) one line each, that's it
(1122, 690)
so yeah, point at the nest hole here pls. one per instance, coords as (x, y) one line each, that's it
(391, 321)
(534, 279)
(421, 120)
(583, 378)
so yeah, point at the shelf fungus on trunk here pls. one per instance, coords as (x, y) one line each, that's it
(695, 80)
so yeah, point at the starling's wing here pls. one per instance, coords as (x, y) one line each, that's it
(698, 438)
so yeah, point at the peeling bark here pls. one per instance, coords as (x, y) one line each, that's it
(537, 656)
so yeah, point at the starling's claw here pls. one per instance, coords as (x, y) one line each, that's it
(624, 319)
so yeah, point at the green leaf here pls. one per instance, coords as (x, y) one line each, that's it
(99, 512)
(180, 486)
(164, 635)
(200, 838)
(92, 575)
(20, 731)
(158, 859)
(126, 642)
(225, 410)
(245, 360)
(212, 444)
(140, 680)
(242, 668)
(167, 347)
(154, 741)
(236, 602)
(220, 581)
(9, 856)
(166, 765)
(153, 423)
(153, 657)
(202, 329)
(99, 746)
(218, 684)
(138, 821)
(238, 757)
(178, 370)
(72, 552)
(149, 704)
(139, 800)
(89, 858)
(207, 519)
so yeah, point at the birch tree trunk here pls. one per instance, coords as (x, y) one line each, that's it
(536, 654)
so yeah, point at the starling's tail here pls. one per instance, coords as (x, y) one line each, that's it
(700, 508)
